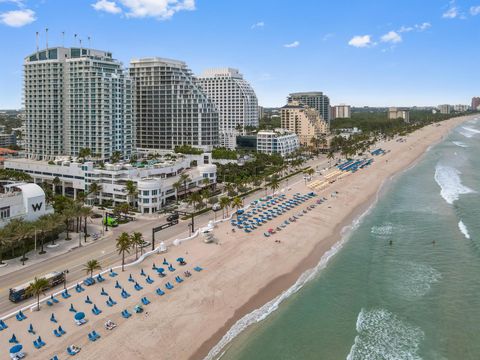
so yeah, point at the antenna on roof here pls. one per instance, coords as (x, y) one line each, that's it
(63, 38)
(89, 42)
(36, 36)
(75, 40)
(81, 52)
(46, 40)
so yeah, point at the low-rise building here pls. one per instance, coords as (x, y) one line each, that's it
(445, 109)
(154, 179)
(399, 113)
(461, 108)
(22, 201)
(278, 141)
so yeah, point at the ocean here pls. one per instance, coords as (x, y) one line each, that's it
(403, 284)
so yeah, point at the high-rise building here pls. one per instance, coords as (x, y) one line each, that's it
(475, 103)
(445, 109)
(303, 121)
(316, 100)
(397, 113)
(234, 100)
(170, 108)
(461, 108)
(76, 98)
(341, 112)
(278, 141)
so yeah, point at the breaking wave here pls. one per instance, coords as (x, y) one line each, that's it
(463, 229)
(448, 178)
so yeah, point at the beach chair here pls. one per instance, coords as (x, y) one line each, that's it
(117, 285)
(178, 279)
(197, 268)
(13, 339)
(36, 344)
(160, 292)
(3, 326)
(145, 301)
(71, 352)
(61, 331)
(53, 299)
(78, 288)
(169, 286)
(52, 318)
(87, 300)
(49, 303)
(56, 333)
(41, 342)
(149, 280)
(91, 337)
(138, 287)
(55, 357)
(126, 314)
(72, 309)
(96, 310)
(65, 294)
(30, 329)
(112, 273)
(124, 294)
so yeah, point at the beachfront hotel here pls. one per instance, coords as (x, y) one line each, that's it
(153, 179)
(278, 141)
(235, 100)
(314, 99)
(76, 98)
(304, 121)
(170, 108)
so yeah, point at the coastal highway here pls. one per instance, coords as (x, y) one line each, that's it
(104, 250)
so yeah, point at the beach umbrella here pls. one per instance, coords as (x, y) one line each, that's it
(180, 260)
(79, 316)
(16, 348)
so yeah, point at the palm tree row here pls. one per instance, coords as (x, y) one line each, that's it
(125, 243)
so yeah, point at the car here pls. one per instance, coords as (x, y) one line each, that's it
(216, 207)
(172, 217)
(145, 244)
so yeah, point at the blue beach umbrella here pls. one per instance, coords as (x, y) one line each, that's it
(79, 315)
(16, 348)
(180, 259)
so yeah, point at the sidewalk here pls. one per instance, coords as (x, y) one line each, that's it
(62, 246)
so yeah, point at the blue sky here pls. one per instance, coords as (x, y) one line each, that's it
(371, 52)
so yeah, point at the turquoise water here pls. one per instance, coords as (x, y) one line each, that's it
(414, 299)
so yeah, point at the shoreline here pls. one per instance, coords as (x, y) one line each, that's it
(284, 282)
(242, 271)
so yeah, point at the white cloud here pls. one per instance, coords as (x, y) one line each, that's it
(158, 9)
(17, 18)
(259, 24)
(423, 26)
(391, 37)
(451, 13)
(107, 6)
(475, 10)
(361, 41)
(327, 37)
(292, 45)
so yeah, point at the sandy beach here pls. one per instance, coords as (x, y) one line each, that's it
(240, 274)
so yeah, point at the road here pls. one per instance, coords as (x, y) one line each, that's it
(104, 250)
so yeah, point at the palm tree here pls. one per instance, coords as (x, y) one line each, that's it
(91, 266)
(116, 157)
(237, 203)
(123, 246)
(274, 184)
(137, 241)
(84, 153)
(93, 189)
(184, 179)
(131, 190)
(19, 230)
(224, 204)
(330, 156)
(85, 212)
(206, 194)
(195, 199)
(36, 288)
(177, 186)
(56, 182)
(206, 182)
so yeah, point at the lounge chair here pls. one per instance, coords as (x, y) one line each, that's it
(197, 268)
(171, 268)
(36, 344)
(96, 310)
(49, 303)
(138, 287)
(169, 286)
(55, 357)
(13, 340)
(21, 316)
(61, 331)
(3, 326)
(145, 301)
(160, 292)
(149, 280)
(71, 352)
(178, 279)
(40, 341)
(126, 314)
(91, 337)
(56, 333)
(100, 278)
(65, 294)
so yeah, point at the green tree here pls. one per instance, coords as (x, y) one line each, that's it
(274, 184)
(237, 203)
(131, 190)
(123, 246)
(224, 204)
(36, 288)
(93, 189)
(84, 153)
(136, 240)
(184, 179)
(91, 266)
(116, 157)
(177, 186)
(195, 200)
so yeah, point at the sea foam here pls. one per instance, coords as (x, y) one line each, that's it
(463, 229)
(468, 131)
(411, 280)
(461, 144)
(381, 335)
(448, 178)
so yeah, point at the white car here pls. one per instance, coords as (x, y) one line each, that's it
(216, 207)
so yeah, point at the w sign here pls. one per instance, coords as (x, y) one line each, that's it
(37, 207)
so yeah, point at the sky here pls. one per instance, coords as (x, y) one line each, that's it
(363, 53)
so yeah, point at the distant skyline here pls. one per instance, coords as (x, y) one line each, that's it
(369, 53)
